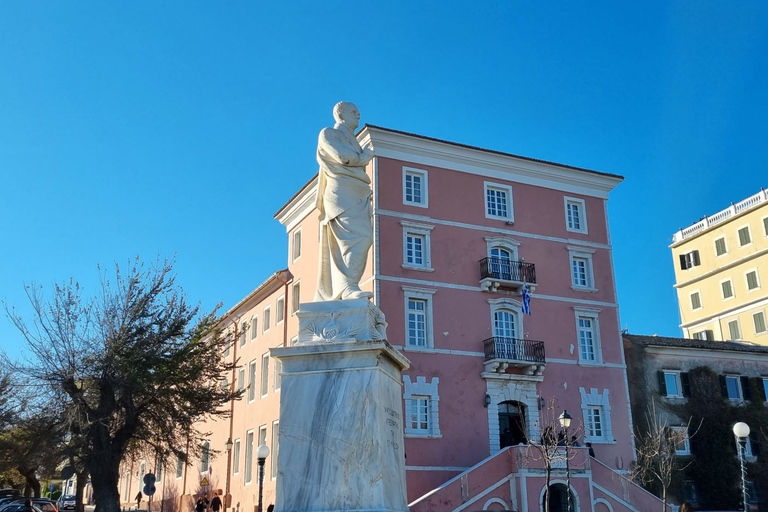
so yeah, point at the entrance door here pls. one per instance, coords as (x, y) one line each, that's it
(558, 499)
(501, 263)
(512, 424)
(504, 330)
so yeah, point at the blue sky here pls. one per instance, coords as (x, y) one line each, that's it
(179, 128)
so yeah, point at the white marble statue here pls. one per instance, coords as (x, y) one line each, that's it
(344, 202)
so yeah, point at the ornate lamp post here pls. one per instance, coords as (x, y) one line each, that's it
(229, 471)
(741, 433)
(565, 422)
(262, 452)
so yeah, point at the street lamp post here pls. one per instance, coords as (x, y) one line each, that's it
(229, 471)
(741, 433)
(262, 452)
(565, 422)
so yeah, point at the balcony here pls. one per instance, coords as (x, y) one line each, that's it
(501, 274)
(502, 353)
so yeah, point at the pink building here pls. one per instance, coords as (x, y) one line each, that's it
(458, 232)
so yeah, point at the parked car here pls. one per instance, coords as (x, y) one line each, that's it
(7, 493)
(66, 502)
(18, 507)
(41, 504)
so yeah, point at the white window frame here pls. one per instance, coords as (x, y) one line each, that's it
(243, 333)
(295, 297)
(252, 381)
(294, 340)
(264, 381)
(754, 323)
(294, 245)
(749, 233)
(266, 319)
(737, 378)
(686, 443)
(765, 226)
(595, 399)
(690, 299)
(507, 189)
(262, 439)
(423, 231)
(181, 462)
(582, 253)
(254, 327)
(675, 374)
(409, 293)
(513, 306)
(725, 244)
(250, 454)
(275, 448)
(597, 346)
(236, 457)
(757, 279)
(582, 214)
(722, 291)
(280, 310)
(410, 171)
(423, 389)
(738, 326)
(240, 379)
(503, 242)
(205, 457)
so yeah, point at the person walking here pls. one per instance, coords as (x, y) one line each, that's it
(138, 500)
(216, 503)
(200, 505)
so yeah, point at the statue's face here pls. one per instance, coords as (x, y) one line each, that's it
(351, 116)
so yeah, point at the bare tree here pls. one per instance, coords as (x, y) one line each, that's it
(134, 364)
(550, 445)
(656, 446)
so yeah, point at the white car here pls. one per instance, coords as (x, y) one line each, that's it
(66, 502)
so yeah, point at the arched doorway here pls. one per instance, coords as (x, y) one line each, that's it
(512, 429)
(558, 499)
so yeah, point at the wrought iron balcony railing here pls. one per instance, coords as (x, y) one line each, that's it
(507, 270)
(514, 350)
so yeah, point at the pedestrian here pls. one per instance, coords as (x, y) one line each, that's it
(271, 508)
(216, 503)
(574, 441)
(200, 505)
(686, 507)
(138, 500)
(591, 451)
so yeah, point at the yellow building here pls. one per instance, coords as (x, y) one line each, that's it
(720, 265)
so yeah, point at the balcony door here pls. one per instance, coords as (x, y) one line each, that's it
(512, 424)
(501, 263)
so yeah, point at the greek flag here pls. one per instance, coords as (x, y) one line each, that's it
(526, 299)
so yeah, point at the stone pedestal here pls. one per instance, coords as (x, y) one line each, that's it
(341, 424)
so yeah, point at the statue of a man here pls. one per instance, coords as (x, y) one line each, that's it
(344, 202)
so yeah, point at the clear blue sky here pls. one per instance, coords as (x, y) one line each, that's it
(179, 128)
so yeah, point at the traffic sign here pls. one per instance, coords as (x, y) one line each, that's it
(149, 479)
(149, 490)
(204, 482)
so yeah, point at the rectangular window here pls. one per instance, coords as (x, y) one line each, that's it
(262, 435)
(249, 456)
(254, 327)
(744, 236)
(264, 374)
(679, 438)
(575, 215)
(672, 384)
(498, 201)
(414, 249)
(417, 409)
(280, 313)
(277, 374)
(296, 244)
(690, 493)
(236, 457)
(752, 283)
(252, 381)
(417, 322)
(586, 339)
(579, 271)
(727, 288)
(159, 470)
(415, 187)
(266, 317)
(594, 426)
(759, 321)
(180, 467)
(689, 260)
(275, 447)
(695, 300)
(765, 388)
(205, 457)
(765, 226)
(733, 387)
(707, 334)
(296, 298)
(241, 379)
(720, 247)
(243, 331)
(733, 329)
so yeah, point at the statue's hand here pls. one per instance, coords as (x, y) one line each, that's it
(367, 154)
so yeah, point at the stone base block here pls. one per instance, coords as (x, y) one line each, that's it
(340, 321)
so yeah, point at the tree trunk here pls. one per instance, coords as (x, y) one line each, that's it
(82, 478)
(105, 477)
(663, 498)
(33, 483)
(546, 489)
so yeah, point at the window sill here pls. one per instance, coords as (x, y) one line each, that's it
(415, 348)
(418, 205)
(423, 436)
(583, 288)
(600, 441)
(590, 363)
(578, 231)
(416, 267)
(508, 220)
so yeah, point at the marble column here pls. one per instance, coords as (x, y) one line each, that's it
(341, 415)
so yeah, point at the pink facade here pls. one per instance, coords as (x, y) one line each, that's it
(479, 365)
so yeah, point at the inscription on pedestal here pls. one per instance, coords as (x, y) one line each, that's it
(393, 422)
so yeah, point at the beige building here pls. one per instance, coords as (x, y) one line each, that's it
(720, 265)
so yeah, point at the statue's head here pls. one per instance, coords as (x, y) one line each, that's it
(345, 112)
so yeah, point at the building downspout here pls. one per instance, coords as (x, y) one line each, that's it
(227, 498)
